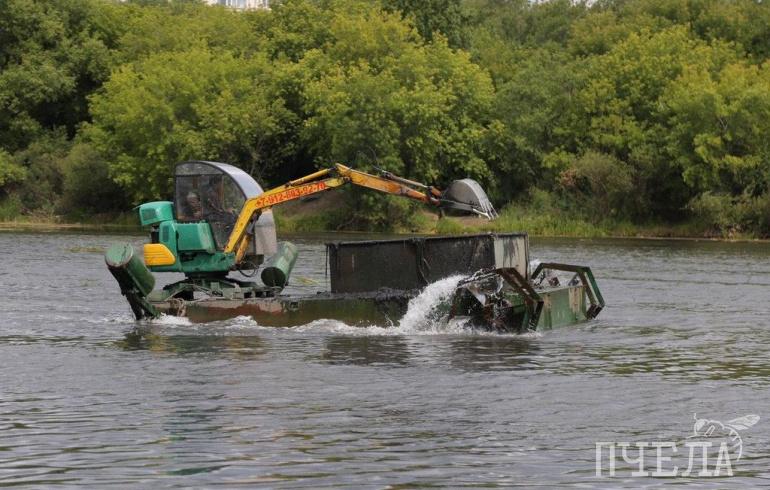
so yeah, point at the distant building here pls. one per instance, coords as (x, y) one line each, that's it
(241, 4)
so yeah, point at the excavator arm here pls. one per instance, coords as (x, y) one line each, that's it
(339, 175)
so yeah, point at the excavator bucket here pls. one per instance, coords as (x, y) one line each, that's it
(467, 195)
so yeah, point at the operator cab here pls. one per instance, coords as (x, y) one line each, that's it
(215, 193)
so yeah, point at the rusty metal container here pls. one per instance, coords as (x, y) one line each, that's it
(412, 263)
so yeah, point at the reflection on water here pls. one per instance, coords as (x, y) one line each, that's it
(146, 339)
(466, 353)
(678, 363)
(389, 351)
(90, 398)
(490, 353)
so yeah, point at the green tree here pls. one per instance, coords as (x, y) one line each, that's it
(533, 120)
(295, 27)
(600, 185)
(174, 106)
(618, 111)
(378, 96)
(42, 162)
(176, 26)
(446, 17)
(87, 186)
(419, 109)
(532, 24)
(719, 125)
(52, 55)
(11, 173)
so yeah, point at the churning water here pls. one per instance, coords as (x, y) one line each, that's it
(88, 401)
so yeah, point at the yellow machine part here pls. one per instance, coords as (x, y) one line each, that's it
(157, 254)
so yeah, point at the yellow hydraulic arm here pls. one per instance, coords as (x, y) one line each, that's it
(320, 181)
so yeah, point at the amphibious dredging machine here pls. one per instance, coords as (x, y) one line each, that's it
(221, 221)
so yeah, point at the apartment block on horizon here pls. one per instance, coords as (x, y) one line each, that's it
(241, 4)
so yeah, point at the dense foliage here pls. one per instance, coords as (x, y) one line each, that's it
(629, 110)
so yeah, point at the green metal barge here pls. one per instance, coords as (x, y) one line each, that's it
(498, 291)
(371, 282)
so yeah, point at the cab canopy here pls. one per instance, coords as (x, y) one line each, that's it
(215, 192)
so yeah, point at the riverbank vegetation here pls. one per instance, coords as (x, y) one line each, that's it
(611, 117)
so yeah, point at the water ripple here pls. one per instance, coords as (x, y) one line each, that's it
(92, 399)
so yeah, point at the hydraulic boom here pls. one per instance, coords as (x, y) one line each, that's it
(464, 195)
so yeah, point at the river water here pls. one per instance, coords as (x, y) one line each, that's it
(86, 402)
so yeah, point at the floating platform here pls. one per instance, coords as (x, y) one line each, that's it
(372, 283)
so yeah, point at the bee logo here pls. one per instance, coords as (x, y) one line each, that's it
(714, 428)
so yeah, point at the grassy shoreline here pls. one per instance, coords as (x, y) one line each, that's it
(550, 222)
(511, 220)
(115, 224)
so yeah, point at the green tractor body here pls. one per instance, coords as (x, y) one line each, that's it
(194, 229)
(192, 244)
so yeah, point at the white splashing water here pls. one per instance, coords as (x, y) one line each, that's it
(427, 314)
(429, 310)
(171, 320)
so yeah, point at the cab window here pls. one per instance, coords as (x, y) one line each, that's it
(213, 197)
